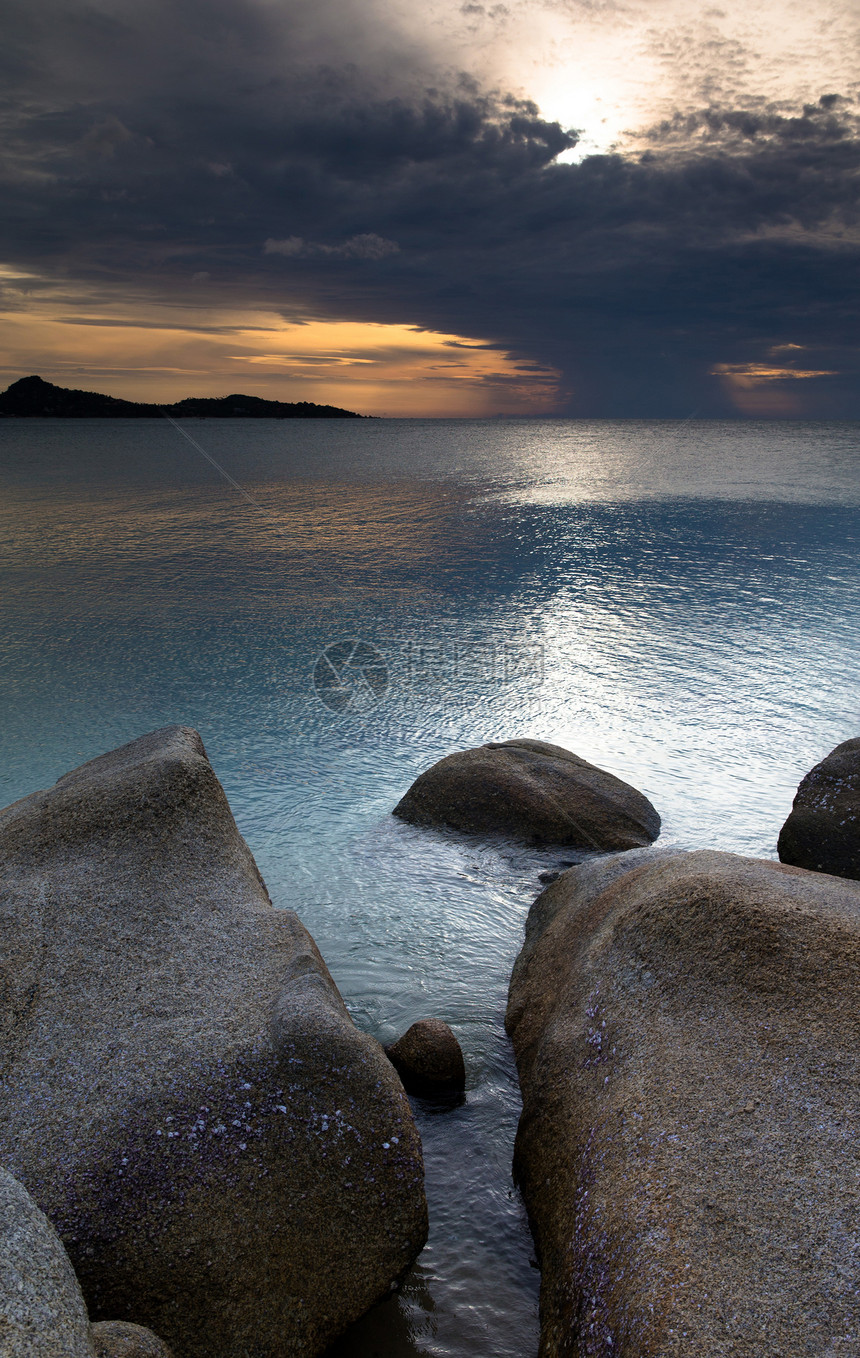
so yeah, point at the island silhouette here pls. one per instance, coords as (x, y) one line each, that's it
(31, 396)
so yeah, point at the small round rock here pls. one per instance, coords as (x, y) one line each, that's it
(121, 1339)
(428, 1059)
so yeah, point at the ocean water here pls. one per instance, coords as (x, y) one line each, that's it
(677, 602)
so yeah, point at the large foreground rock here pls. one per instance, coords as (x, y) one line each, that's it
(228, 1161)
(42, 1312)
(823, 830)
(686, 1034)
(532, 790)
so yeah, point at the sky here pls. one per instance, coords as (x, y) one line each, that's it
(472, 208)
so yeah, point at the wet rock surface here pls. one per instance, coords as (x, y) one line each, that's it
(686, 1037)
(551, 874)
(42, 1312)
(227, 1160)
(428, 1059)
(534, 791)
(822, 832)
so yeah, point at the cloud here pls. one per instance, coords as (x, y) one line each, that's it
(753, 374)
(106, 137)
(365, 246)
(321, 161)
(292, 247)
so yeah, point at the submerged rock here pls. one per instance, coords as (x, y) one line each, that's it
(428, 1059)
(121, 1339)
(227, 1159)
(685, 1029)
(535, 791)
(42, 1312)
(823, 830)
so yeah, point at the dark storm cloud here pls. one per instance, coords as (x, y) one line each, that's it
(307, 158)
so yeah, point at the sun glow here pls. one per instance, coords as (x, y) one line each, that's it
(612, 71)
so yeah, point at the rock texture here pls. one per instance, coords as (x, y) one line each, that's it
(428, 1059)
(42, 1312)
(120, 1339)
(226, 1158)
(686, 1033)
(823, 831)
(532, 790)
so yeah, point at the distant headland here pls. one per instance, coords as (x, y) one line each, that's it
(31, 396)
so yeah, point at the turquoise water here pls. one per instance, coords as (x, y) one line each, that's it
(677, 602)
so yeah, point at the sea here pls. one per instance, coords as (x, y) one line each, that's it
(336, 604)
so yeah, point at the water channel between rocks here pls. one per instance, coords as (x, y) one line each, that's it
(676, 603)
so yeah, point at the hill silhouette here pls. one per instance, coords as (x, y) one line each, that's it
(32, 396)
